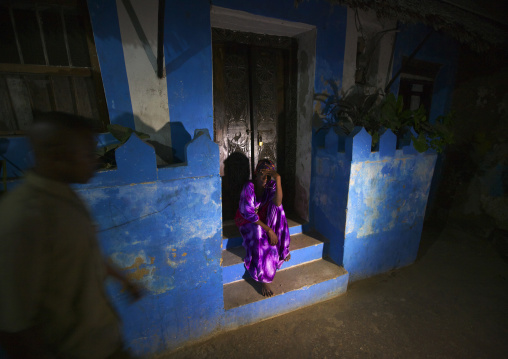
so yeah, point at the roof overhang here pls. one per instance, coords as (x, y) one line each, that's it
(481, 27)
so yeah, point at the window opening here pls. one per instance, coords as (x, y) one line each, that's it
(48, 63)
(417, 83)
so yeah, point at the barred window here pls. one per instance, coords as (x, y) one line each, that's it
(417, 83)
(48, 62)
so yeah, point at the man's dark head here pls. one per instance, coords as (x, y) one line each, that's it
(63, 147)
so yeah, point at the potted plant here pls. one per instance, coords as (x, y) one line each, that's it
(374, 110)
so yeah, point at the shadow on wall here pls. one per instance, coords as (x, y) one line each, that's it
(179, 139)
(236, 173)
(169, 141)
(177, 135)
(179, 48)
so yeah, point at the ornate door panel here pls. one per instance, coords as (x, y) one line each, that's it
(232, 123)
(254, 108)
(265, 102)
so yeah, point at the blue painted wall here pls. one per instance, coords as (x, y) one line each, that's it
(386, 194)
(162, 227)
(188, 61)
(386, 206)
(331, 169)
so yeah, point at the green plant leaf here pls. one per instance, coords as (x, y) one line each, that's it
(101, 151)
(400, 104)
(420, 142)
(122, 134)
(356, 108)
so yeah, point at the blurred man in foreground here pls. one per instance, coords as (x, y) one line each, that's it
(52, 298)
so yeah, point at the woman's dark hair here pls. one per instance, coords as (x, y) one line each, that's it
(262, 164)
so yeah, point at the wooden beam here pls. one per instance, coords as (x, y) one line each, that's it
(46, 70)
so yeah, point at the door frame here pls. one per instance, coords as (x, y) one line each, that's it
(305, 36)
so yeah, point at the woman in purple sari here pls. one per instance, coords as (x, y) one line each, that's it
(263, 225)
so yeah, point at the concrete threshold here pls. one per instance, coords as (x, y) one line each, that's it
(298, 277)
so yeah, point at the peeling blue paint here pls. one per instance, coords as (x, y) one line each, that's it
(371, 205)
(166, 235)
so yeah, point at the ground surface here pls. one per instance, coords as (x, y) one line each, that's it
(451, 303)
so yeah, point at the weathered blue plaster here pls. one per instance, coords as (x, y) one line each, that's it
(139, 157)
(165, 235)
(329, 189)
(386, 208)
(370, 205)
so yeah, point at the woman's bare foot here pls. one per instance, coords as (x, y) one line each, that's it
(288, 257)
(266, 290)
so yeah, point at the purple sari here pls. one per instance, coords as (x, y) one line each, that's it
(262, 259)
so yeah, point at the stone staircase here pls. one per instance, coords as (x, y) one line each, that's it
(307, 278)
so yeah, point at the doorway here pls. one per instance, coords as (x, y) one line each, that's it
(254, 85)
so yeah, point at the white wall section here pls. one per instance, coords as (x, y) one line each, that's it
(149, 94)
(379, 36)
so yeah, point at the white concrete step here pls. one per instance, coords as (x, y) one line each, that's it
(310, 282)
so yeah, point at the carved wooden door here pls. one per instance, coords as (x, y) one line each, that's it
(246, 101)
(267, 89)
(250, 79)
(232, 122)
